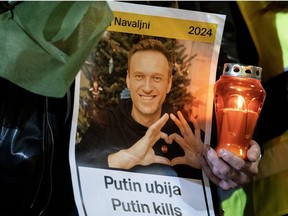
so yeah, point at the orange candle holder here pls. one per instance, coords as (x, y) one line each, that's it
(239, 98)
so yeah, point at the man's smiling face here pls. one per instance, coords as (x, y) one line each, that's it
(149, 81)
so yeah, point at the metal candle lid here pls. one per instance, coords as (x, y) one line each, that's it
(240, 70)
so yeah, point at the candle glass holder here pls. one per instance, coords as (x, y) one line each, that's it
(239, 98)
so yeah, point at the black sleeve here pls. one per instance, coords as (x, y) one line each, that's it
(273, 119)
(91, 151)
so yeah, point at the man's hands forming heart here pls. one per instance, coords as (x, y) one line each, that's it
(142, 153)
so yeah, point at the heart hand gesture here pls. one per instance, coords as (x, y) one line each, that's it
(190, 141)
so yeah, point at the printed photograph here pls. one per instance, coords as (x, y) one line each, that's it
(138, 110)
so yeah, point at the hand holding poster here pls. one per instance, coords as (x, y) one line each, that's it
(138, 125)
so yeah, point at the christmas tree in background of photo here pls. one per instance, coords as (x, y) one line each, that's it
(106, 70)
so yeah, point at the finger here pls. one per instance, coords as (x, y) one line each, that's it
(232, 159)
(155, 128)
(219, 167)
(226, 185)
(162, 121)
(178, 139)
(178, 160)
(181, 124)
(177, 122)
(161, 160)
(211, 156)
(186, 128)
(197, 131)
(166, 137)
(207, 170)
(185, 125)
(254, 152)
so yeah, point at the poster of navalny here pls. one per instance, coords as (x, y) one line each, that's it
(142, 109)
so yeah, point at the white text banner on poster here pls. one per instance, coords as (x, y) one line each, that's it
(122, 193)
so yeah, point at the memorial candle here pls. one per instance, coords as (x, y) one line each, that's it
(239, 98)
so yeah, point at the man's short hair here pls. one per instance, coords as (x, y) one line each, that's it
(151, 45)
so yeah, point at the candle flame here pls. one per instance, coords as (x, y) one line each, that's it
(240, 103)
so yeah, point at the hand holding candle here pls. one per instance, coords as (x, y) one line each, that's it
(239, 97)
